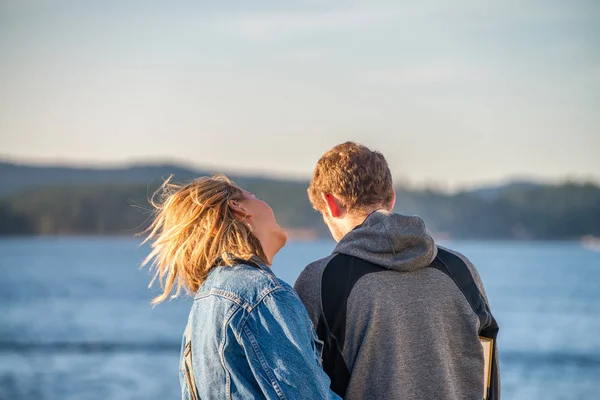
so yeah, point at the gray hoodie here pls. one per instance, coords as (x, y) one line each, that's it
(407, 330)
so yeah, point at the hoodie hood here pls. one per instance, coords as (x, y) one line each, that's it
(390, 240)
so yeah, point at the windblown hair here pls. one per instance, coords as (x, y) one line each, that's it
(193, 229)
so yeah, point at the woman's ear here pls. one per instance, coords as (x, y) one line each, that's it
(238, 210)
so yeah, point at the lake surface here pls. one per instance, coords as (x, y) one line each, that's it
(76, 323)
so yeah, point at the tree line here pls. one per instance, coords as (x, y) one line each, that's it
(566, 211)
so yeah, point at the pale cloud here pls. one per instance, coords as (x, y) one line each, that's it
(422, 75)
(270, 26)
(592, 75)
(304, 55)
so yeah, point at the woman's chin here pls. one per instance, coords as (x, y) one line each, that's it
(282, 235)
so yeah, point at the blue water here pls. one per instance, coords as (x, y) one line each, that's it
(75, 319)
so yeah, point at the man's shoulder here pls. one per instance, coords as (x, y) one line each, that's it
(312, 272)
(462, 257)
(308, 287)
(472, 269)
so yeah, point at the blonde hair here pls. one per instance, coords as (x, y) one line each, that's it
(193, 229)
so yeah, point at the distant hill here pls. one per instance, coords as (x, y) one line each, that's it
(62, 200)
(69, 200)
(493, 192)
(16, 178)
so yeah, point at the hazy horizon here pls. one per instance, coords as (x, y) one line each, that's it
(401, 180)
(460, 94)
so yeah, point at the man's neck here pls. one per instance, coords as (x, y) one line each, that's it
(355, 219)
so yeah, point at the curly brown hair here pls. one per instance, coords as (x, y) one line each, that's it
(358, 176)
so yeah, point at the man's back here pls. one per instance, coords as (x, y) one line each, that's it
(395, 322)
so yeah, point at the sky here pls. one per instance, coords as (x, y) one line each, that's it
(456, 93)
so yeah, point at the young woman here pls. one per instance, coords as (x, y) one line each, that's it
(248, 334)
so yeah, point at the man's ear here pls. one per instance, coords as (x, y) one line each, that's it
(336, 210)
(393, 202)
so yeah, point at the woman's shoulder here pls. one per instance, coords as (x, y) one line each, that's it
(243, 283)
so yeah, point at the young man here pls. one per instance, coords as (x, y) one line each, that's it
(400, 317)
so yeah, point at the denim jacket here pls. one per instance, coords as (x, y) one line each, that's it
(251, 338)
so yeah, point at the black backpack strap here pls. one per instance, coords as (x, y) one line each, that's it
(453, 266)
(338, 279)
